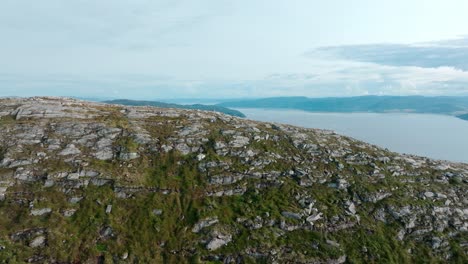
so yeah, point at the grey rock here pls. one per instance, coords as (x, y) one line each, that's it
(75, 200)
(183, 148)
(429, 194)
(106, 232)
(89, 173)
(239, 142)
(228, 192)
(375, 197)
(38, 242)
(380, 215)
(398, 214)
(92, 174)
(441, 196)
(401, 235)
(384, 159)
(351, 208)
(201, 156)
(225, 180)
(42, 211)
(219, 241)
(342, 184)
(70, 150)
(19, 163)
(341, 166)
(2, 193)
(104, 154)
(340, 260)
(410, 223)
(73, 176)
(291, 215)
(100, 182)
(166, 148)
(69, 212)
(436, 242)
(288, 227)
(27, 234)
(333, 243)
(49, 183)
(142, 138)
(219, 145)
(157, 212)
(129, 156)
(313, 218)
(204, 223)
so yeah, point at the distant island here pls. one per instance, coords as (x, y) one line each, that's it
(464, 117)
(214, 108)
(454, 106)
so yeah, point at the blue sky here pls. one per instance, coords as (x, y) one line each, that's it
(246, 48)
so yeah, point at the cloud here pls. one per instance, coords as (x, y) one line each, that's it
(53, 23)
(181, 48)
(453, 53)
(431, 68)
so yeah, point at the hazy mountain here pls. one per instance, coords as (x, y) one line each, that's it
(85, 182)
(380, 104)
(215, 108)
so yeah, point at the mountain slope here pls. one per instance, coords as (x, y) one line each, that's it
(379, 104)
(88, 182)
(214, 108)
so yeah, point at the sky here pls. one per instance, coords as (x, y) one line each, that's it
(156, 49)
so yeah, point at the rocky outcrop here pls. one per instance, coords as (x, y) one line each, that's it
(149, 185)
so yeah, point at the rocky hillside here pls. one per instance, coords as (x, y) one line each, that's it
(214, 108)
(95, 183)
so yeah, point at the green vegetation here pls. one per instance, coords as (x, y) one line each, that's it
(5, 120)
(127, 144)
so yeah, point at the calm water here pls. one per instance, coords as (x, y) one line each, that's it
(434, 136)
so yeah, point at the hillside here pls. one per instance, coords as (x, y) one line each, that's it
(85, 182)
(214, 108)
(377, 104)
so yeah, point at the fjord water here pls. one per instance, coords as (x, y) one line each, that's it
(433, 136)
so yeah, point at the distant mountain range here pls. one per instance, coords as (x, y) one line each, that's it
(215, 108)
(456, 106)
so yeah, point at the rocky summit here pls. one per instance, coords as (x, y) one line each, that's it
(84, 182)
